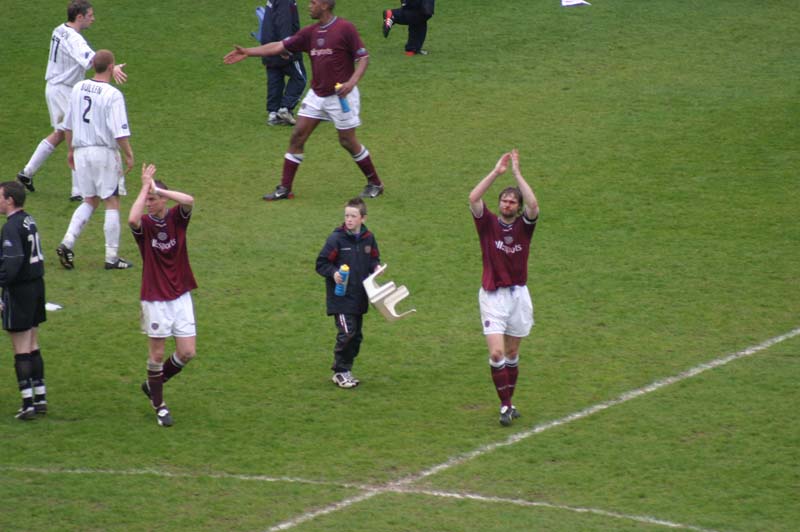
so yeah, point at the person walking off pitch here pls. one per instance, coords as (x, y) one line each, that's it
(338, 61)
(280, 21)
(350, 244)
(69, 59)
(505, 302)
(167, 282)
(97, 129)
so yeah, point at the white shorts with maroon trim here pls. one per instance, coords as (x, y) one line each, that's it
(506, 311)
(329, 108)
(162, 319)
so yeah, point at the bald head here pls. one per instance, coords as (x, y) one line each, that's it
(103, 59)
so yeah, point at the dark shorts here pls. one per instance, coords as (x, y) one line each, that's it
(23, 306)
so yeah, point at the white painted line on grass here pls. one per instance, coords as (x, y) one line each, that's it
(542, 427)
(538, 504)
(586, 412)
(172, 474)
(403, 485)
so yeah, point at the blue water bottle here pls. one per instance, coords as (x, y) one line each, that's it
(342, 100)
(344, 272)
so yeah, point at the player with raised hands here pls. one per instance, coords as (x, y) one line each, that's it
(505, 302)
(167, 282)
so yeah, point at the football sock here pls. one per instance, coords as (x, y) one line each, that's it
(24, 368)
(512, 367)
(364, 161)
(40, 155)
(155, 380)
(77, 223)
(37, 377)
(291, 162)
(172, 367)
(111, 230)
(500, 379)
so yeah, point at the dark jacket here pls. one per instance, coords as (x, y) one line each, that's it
(281, 20)
(360, 252)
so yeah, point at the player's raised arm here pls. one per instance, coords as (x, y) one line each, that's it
(135, 216)
(528, 197)
(476, 196)
(238, 53)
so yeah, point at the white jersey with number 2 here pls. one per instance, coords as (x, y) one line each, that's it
(96, 115)
(70, 57)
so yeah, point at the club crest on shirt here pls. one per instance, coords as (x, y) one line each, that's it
(367, 249)
(321, 42)
(162, 236)
(508, 239)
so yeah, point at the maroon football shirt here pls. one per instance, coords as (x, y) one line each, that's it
(333, 49)
(166, 272)
(504, 249)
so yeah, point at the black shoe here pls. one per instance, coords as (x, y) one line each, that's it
(505, 416)
(66, 256)
(388, 22)
(515, 413)
(146, 389)
(26, 413)
(26, 181)
(281, 192)
(119, 264)
(371, 191)
(163, 416)
(40, 407)
(76, 197)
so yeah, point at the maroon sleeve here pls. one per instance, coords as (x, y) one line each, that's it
(300, 41)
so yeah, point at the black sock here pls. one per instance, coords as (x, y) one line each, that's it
(24, 367)
(39, 391)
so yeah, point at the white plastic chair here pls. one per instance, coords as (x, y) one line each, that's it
(384, 297)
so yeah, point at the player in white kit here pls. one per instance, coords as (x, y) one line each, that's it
(96, 129)
(70, 57)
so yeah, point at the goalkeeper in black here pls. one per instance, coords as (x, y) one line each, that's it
(22, 281)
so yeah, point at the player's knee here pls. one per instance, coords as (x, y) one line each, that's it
(497, 356)
(186, 355)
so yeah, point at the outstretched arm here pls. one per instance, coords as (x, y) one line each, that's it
(238, 53)
(528, 197)
(476, 196)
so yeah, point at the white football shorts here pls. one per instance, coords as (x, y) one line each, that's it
(329, 108)
(506, 311)
(57, 96)
(98, 171)
(162, 319)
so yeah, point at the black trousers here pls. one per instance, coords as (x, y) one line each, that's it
(283, 93)
(417, 23)
(348, 341)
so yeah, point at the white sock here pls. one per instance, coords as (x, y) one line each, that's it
(111, 230)
(40, 155)
(76, 224)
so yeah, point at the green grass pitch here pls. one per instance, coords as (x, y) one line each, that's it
(661, 139)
